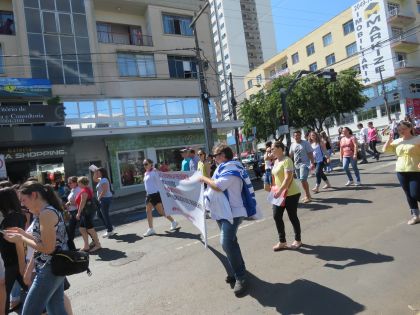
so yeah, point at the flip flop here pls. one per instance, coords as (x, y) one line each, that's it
(280, 247)
(294, 246)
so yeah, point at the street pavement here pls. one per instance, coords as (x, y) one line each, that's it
(359, 257)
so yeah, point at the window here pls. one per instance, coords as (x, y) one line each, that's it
(330, 59)
(272, 73)
(310, 49)
(367, 114)
(346, 118)
(182, 67)
(259, 79)
(313, 67)
(178, 25)
(327, 39)
(7, 23)
(224, 36)
(130, 165)
(295, 58)
(351, 49)
(393, 8)
(1, 60)
(226, 56)
(348, 27)
(369, 92)
(227, 67)
(394, 108)
(250, 84)
(136, 65)
(390, 86)
(397, 32)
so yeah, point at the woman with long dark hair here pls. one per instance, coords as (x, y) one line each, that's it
(153, 199)
(320, 154)
(285, 184)
(104, 194)
(407, 149)
(348, 155)
(48, 234)
(13, 254)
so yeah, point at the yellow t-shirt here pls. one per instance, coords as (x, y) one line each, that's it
(278, 173)
(408, 153)
(202, 168)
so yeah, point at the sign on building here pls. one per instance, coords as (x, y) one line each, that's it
(3, 172)
(25, 87)
(31, 114)
(372, 37)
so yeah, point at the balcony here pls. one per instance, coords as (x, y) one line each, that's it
(122, 35)
(396, 17)
(406, 67)
(405, 44)
(280, 73)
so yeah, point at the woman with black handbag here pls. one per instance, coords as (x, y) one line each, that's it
(49, 233)
(85, 211)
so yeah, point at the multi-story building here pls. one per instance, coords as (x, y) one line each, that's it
(343, 43)
(125, 72)
(243, 35)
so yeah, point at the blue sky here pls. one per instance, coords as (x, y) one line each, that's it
(293, 19)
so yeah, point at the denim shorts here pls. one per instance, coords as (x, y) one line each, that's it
(302, 172)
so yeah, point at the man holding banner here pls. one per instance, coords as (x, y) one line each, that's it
(229, 209)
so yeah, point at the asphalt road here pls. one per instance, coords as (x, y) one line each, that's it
(359, 256)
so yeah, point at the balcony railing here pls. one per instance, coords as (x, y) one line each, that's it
(401, 64)
(124, 39)
(280, 73)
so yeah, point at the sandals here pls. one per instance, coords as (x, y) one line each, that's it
(280, 246)
(306, 200)
(95, 249)
(326, 186)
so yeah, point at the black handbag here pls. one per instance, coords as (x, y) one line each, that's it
(91, 206)
(69, 262)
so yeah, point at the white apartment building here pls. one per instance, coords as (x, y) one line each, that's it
(243, 34)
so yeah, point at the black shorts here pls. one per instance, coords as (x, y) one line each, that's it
(154, 199)
(86, 221)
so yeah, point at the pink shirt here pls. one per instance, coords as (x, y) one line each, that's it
(372, 134)
(347, 144)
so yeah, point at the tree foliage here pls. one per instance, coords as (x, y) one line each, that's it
(311, 103)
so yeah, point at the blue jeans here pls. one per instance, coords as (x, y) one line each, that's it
(346, 164)
(103, 213)
(267, 177)
(410, 183)
(47, 291)
(231, 247)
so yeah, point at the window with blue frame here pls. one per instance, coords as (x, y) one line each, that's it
(7, 23)
(182, 67)
(177, 25)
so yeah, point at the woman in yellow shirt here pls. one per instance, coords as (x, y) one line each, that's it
(407, 149)
(283, 180)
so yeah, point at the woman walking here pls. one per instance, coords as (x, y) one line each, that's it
(348, 155)
(327, 141)
(49, 233)
(373, 139)
(407, 149)
(284, 181)
(72, 209)
(13, 254)
(86, 218)
(203, 164)
(319, 152)
(151, 184)
(104, 194)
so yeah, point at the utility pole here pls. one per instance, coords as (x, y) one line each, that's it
(388, 111)
(205, 97)
(234, 103)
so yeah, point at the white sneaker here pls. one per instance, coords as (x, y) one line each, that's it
(358, 183)
(414, 220)
(108, 234)
(174, 225)
(149, 232)
(350, 182)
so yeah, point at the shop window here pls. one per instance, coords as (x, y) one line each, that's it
(369, 92)
(174, 107)
(182, 67)
(191, 107)
(367, 114)
(131, 170)
(394, 108)
(87, 110)
(172, 156)
(71, 109)
(390, 86)
(178, 25)
(131, 123)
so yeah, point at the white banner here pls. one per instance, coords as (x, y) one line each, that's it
(3, 172)
(182, 193)
(372, 38)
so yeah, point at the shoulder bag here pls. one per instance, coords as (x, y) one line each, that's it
(69, 262)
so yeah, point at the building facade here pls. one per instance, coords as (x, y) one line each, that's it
(123, 72)
(341, 44)
(243, 35)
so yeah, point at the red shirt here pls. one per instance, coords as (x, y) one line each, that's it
(86, 190)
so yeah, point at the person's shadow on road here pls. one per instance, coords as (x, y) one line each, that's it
(355, 256)
(107, 254)
(127, 238)
(179, 234)
(299, 297)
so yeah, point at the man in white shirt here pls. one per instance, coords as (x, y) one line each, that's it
(362, 139)
(232, 186)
